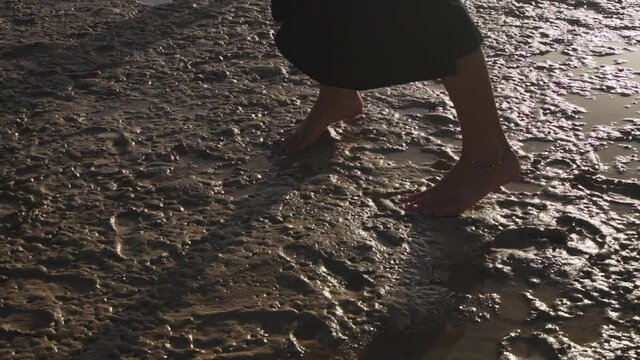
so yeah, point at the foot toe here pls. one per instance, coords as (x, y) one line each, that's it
(410, 198)
(410, 207)
(422, 199)
(418, 206)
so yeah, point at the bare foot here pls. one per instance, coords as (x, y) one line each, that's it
(333, 105)
(466, 184)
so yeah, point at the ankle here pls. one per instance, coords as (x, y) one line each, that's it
(349, 102)
(336, 93)
(487, 152)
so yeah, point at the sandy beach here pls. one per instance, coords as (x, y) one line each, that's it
(146, 213)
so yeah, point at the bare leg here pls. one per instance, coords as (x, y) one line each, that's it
(487, 160)
(333, 105)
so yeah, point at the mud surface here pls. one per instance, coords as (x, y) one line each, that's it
(144, 212)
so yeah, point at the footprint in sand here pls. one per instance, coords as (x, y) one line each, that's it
(96, 140)
(132, 240)
(287, 324)
(128, 242)
(352, 278)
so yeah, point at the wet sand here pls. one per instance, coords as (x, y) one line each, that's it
(145, 213)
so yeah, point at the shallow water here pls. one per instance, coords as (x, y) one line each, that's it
(629, 57)
(621, 160)
(605, 109)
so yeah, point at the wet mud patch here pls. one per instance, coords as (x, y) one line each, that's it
(8, 204)
(146, 213)
(75, 283)
(25, 321)
(481, 339)
(155, 2)
(531, 347)
(414, 155)
(586, 328)
(533, 237)
(536, 146)
(351, 278)
(524, 187)
(98, 142)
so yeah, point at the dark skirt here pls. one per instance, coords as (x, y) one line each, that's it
(366, 44)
